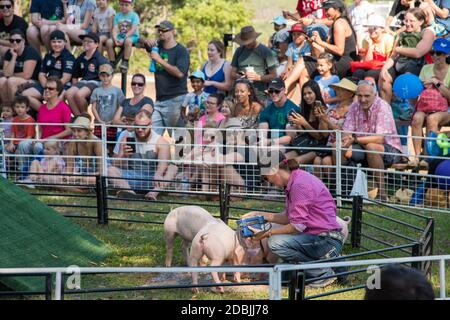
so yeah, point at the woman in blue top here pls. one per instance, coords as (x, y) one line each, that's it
(217, 70)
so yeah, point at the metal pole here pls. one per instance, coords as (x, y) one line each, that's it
(58, 286)
(356, 221)
(2, 137)
(104, 151)
(338, 168)
(99, 194)
(48, 286)
(442, 279)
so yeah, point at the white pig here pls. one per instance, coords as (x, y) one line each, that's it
(185, 221)
(219, 243)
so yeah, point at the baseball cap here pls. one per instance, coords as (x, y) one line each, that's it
(126, 1)
(441, 45)
(279, 20)
(276, 84)
(166, 25)
(198, 75)
(106, 68)
(57, 35)
(90, 35)
(332, 4)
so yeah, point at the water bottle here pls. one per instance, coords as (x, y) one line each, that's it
(153, 64)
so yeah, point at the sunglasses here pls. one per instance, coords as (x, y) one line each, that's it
(163, 30)
(6, 6)
(143, 127)
(15, 40)
(438, 53)
(49, 88)
(274, 91)
(139, 84)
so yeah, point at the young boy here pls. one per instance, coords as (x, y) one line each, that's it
(105, 101)
(194, 106)
(103, 22)
(23, 129)
(125, 33)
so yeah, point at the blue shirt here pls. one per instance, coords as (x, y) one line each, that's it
(443, 4)
(325, 89)
(49, 9)
(295, 53)
(277, 117)
(131, 17)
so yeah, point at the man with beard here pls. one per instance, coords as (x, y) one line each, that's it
(148, 156)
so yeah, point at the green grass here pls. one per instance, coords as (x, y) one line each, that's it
(142, 245)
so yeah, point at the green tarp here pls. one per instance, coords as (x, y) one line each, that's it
(34, 235)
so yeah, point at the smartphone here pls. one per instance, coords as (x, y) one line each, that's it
(131, 142)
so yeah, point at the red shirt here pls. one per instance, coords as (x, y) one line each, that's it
(310, 7)
(23, 128)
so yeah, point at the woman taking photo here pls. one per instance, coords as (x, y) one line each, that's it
(217, 70)
(309, 230)
(409, 51)
(306, 120)
(333, 119)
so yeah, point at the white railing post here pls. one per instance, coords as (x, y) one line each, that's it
(442, 283)
(275, 284)
(338, 167)
(2, 137)
(58, 286)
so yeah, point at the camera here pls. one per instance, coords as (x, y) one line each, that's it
(227, 38)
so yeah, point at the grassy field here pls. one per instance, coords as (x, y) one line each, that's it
(142, 245)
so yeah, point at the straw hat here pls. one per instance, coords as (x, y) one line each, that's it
(82, 123)
(345, 84)
(247, 35)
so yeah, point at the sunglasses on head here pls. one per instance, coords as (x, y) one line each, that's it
(438, 53)
(139, 84)
(15, 40)
(6, 6)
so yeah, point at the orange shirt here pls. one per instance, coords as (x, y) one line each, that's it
(21, 131)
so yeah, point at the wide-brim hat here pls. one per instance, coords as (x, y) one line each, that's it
(246, 36)
(346, 84)
(82, 123)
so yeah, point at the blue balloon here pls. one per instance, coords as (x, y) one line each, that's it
(431, 145)
(407, 86)
(443, 170)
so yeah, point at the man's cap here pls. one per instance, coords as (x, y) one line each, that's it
(346, 84)
(332, 4)
(166, 25)
(57, 35)
(276, 84)
(197, 74)
(279, 20)
(297, 28)
(246, 36)
(106, 68)
(441, 45)
(375, 21)
(91, 35)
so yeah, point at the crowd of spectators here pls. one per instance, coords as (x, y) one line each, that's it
(326, 67)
